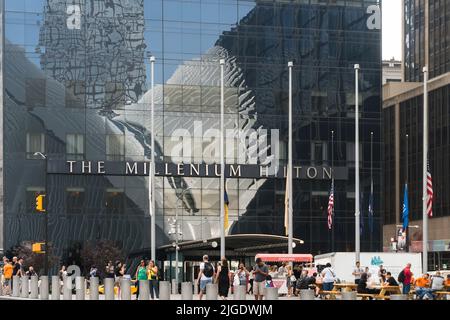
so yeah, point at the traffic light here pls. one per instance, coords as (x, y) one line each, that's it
(40, 203)
(38, 247)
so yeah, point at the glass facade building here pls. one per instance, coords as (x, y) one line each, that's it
(76, 87)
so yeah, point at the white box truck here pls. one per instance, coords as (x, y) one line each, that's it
(343, 263)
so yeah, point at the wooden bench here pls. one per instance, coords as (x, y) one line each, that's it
(332, 294)
(441, 295)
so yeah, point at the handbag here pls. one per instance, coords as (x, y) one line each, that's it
(293, 278)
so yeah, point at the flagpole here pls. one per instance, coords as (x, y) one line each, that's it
(151, 180)
(222, 164)
(357, 195)
(371, 190)
(406, 184)
(290, 204)
(424, 173)
(332, 183)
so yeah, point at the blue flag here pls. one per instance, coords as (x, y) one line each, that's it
(361, 214)
(371, 208)
(405, 209)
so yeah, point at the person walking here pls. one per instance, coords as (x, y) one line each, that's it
(119, 271)
(329, 277)
(7, 275)
(243, 275)
(31, 272)
(250, 280)
(141, 274)
(290, 280)
(357, 272)
(405, 277)
(223, 279)
(153, 279)
(205, 275)
(260, 271)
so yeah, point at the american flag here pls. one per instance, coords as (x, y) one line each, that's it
(430, 193)
(331, 206)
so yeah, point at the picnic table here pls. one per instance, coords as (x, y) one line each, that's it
(345, 287)
(387, 289)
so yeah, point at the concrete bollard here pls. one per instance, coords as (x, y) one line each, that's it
(56, 288)
(93, 288)
(212, 291)
(164, 290)
(125, 289)
(43, 288)
(109, 288)
(16, 286)
(67, 288)
(80, 288)
(349, 295)
(240, 293)
(307, 294)
(271, 293)
(186, 291)
(24, 288)
(174, 287)
(399, 297)
(144, 290)
(34, 287)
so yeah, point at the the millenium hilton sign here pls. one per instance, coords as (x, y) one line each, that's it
(132, 168)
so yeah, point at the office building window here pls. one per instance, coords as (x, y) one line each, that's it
(75, 94)
(74, 200)
(114, 201)
(75, 146)
(35, 92)
(318, 152)
(115, 147)
(35, 143)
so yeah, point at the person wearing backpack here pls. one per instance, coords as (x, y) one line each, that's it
(404, 278)
(328, 278)
(205, 275)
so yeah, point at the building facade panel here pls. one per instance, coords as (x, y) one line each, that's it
(77, 88)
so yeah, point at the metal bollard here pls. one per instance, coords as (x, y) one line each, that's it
(271, 293)
(67, 288)
(240, 292)
(109, 288)
(186, 291)
(307, 294)
(164, 290)
(212, 291)
(144, 290)
(349, 295)
(43, 288)
(93, 288)
(24, 292)
(80, 288)
(56, 288)
(125, 289)
(16, 286)
(34, 287)
(399, 297)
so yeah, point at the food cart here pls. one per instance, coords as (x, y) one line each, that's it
(281, 283)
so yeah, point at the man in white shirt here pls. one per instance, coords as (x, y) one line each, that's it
(357, 272)
(328, 276)
(205, 275)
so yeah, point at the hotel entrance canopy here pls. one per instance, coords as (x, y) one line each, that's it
(238, 245)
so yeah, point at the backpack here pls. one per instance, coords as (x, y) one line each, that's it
(208, 271)
(401, 276)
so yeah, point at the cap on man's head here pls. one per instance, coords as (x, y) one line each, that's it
(205, 257)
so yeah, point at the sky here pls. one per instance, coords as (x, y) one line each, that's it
(392, 29)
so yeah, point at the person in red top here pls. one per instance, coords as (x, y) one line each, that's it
(407, 280)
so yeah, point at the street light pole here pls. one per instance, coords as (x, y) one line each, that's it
(177, 225)
(424, 173)
(46, 212)
(151, 189)
(357, 195)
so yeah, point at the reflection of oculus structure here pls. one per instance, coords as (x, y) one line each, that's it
(86, 101)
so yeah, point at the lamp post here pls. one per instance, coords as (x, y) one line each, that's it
(357, 195)
(177, 225)
(289, 169)
(43, 156)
